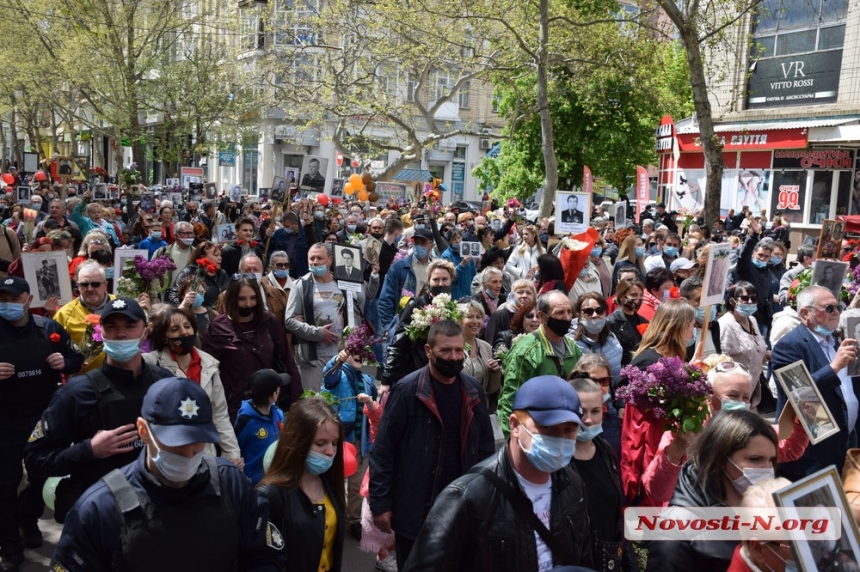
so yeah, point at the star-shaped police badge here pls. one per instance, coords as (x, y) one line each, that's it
(118, 304)
(188, 408)
(9, 282)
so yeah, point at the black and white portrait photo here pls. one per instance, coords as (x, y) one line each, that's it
(225, 233)
(291, 174)
(472, 249)
(852, 330)
(147, 202)
(280, 189)
(211, 191)
(313, 177)
(236, 193)
(805, 398)
(620, 215)
(572, 212)
(347, 263)
(176, 199)
(830, 274)
(372, 248)
(337, 187)
(23, 194)
(47, 273)
(100, 192)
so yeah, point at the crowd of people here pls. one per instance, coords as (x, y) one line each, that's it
(230, 419)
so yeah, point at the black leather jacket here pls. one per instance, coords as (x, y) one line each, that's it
(404, 356)
(473, 527)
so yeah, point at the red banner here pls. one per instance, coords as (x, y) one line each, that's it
(749, 140)
(587, 181)
(642, 187)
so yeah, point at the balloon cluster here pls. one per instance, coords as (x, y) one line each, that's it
(433, 190)
(362, 185)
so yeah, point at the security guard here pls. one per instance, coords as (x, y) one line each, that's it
(88, 428)
(174, 508)
(33, 352)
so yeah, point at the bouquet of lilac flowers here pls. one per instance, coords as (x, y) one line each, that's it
(141, 276)
(671, 391)
(359, 343)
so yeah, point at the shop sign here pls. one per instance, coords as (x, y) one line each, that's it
(807, 79)
(749, 140)
(818, 159)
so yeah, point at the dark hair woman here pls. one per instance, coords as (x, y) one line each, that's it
(593, 332)
(550, 274)
(304, 487)
(626, 323)
(247, 338)
(740, 334)
(205, 265)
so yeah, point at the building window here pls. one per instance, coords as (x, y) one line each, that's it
(252, 37)
(442, 85)
(295, 23)
(495, 101)
(463, 95)
(411, 87)
(788, 27)
(249, 170)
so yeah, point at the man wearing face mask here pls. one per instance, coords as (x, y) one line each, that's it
(548, 351)
(408, 274)
(524, 506)
(35, 351)
(664, 259)
(88, 428)
(172, 500)
(752, 267)
(180, 251)
(294, 239)
(274, 299)
(350, 235)
(435, 426)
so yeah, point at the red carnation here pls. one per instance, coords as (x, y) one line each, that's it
(55, 337)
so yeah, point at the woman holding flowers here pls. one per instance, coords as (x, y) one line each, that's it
(206, 265)
(480, 363)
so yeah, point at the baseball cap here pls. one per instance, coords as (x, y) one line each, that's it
(661, 205)
(424, 233)
(266, 381)
(125, 307)
(14, 285)
(549, 400)
(179, 413)
(681, 264)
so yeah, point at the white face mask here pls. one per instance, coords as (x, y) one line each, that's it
(750, 477)
(173, 467)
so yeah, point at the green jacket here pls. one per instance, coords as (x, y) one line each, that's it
(530, 357)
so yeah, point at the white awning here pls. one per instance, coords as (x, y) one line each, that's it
(690, 127)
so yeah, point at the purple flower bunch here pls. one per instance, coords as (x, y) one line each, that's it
(671, 391)
(144, 276)
(154, 269)
(359, 343)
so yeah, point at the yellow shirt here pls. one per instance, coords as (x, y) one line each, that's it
(327, 558)
(71, 317)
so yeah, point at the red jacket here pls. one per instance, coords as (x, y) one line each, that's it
(738, 563)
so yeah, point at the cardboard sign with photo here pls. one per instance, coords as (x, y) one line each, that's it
(572, 212)
(195, 192)
(176, 199)
(280, 190)
(347, 263)
(314, 177)
(829, 274)
(100, 192)
(830, 239)
(236, 193)
(372, 248)
(852, 331)
(716, 274)
(211, 191)
(171, 183)
(23, 195)
(805, 398)
(291, 174)
(225, 233)
(47, 273)
(147, 202)
(472, 249)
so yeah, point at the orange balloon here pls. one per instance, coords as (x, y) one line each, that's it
(347, 189)
(355, 180)
(363, 195)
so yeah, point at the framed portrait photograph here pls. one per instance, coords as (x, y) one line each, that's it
(620, 214)
(211, 191)
(472, 249)
(225, 233)
(47, 273)
(291, 174)
(22, 195)
(805, 398)
(830, 274)
(120, 255)
(280, 190)
(176, 199)
(113, 192)
(235, 193)
(314, 171)
(147, 202)
(372, 248)
(852, 330)
(823, 489)
(195, 192)
(100, 192)
(572, 212)
(172, 182)
(347, 263)
(716, 274)
(830, 239)
(337, 187)
(83, 187)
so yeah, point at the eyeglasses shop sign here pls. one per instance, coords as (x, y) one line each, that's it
(806, 79)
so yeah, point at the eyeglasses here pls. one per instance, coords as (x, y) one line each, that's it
(592, 311)
(238, 276)
(832, 308)
(281, 265)
(99, 242)
(847, 249)
(602, 380)
(726, 366)
(185, 233)
(748, 299)
(86, 285)
(531, 316)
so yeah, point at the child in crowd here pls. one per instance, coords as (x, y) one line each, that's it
(259, 421)
(373, 539)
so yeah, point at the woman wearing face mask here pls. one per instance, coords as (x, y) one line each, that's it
(94, 240)
(205, 264)
(630, 255)
(480, 362)
(248, 338)
(522, 290)
(670, 334)
(304, 487)
(192, 291)
(625, 321)
(465, 265)
(596, 368)
(593, 332)
(596, 462)
(735, 450)
(491, 291)
(173, 333)
(740, 337)
(658, 285)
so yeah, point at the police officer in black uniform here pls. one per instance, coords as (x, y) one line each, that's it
(173, 508)
(33, 352)
(88, 428)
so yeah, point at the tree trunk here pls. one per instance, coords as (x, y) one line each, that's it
(711, 146)
(547, 146)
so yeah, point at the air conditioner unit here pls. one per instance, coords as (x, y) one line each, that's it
(484, 144)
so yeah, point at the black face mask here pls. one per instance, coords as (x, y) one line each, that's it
(448, 367)
(245, 312)
(436, 290)
(377, 235)
(182, 346)
(557, 326)
(632, 304)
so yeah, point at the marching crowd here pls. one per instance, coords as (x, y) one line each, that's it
(227, 420)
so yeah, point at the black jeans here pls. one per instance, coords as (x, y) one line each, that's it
(403, 546)
(15, 509)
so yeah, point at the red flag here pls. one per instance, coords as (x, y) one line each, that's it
(587, 181)
(642, 188)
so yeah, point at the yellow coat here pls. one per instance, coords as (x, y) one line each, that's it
(71, 317)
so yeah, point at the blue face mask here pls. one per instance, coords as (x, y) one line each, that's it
(419, 226)
(319, 215)
(319, 270)
(700, 315)
(759, 263)
(586, 434)
(282, 273)
(109, 273)
(11, 311)
(289, 230)
(584, 272)
(640, 251)
(596, 251)
(122, 350)
(549, 454)
(489, 294)
(198, 300)
(746, 310)
(776, 260)
(823, 330)
(670, 251)
(317, 463)
(420, 252)
(732, 405)
(350, 228)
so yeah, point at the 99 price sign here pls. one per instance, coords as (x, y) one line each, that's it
(788, 198)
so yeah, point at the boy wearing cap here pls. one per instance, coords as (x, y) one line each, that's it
(173, 508)
(523, 509)
(259, 421)
(88, 428)
(34, 351)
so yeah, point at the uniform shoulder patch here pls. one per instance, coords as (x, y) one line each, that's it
(262, 433)
(37, 433)
(274, 538)
(57, 567)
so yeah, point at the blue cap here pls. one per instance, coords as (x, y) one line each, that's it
(14, 285)
(549, 400)
(179, 413)
(127, 307)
